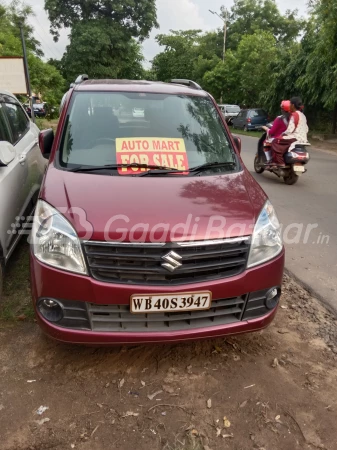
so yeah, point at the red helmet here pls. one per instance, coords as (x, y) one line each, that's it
(285, 105)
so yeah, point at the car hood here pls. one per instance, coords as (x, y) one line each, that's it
(155, 209)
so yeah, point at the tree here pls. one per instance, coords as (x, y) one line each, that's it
(254, 56)
(11, 17)
(223, 80)
(46, 80)
(177, 59)
(319, 79)
(100, 50)
(136, 17)
(248, 16)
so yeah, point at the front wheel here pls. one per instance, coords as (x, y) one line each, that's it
(258, 167)
(291, 178)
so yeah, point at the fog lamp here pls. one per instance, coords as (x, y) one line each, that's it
(273, 297)
(50, 309)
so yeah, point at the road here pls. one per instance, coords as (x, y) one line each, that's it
(311, 254)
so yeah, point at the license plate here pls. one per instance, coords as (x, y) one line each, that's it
(299, 169)
(158, 303)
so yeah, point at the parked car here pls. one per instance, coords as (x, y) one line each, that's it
(229, 112)
(250, 119)
(21, 170)
(151, 231)
(40, 109)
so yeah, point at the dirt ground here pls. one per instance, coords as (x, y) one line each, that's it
(272, 390)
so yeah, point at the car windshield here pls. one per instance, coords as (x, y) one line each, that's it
(111, 128)
(233, 109)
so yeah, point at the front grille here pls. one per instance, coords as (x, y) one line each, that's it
(142, 263)
(118, 318)
(114, 318)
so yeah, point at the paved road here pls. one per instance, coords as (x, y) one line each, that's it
(313, 200)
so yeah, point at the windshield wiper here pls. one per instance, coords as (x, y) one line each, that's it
(122, 166)
(211, 165)
(202, 167)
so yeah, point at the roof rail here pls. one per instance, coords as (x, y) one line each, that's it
(189, 83)
(81, 78)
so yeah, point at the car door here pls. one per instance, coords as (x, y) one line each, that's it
(242, 119)
(10, 190)
(31, 162)
(237, 120)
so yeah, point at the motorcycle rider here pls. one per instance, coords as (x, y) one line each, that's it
(296, 132)
(280, 125)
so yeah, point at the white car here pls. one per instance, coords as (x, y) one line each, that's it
(230, 111)
(22, 166)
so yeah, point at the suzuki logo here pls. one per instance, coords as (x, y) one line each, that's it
(172, 261)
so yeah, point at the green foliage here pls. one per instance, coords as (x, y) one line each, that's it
(136, 17)
(101, 50)
(46, 80)
(11, 17)
(249, 16)
(176, 61)
(254, 56)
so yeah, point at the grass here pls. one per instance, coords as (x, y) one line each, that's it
(16, 301)
(46, 123)
(256, 134)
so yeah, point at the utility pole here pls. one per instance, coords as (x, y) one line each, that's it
(25, 63)
(224, 29)
(225, 35)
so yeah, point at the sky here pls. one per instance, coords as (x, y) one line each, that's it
(172, 14)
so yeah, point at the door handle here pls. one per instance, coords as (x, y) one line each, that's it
(22, 159)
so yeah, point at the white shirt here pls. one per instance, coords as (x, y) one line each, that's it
(300, 133)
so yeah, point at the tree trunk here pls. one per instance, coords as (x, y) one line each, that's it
(334, 120)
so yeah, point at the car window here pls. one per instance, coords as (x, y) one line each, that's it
(233, 109)
(170, 130)
(18, 121)
(257, 113)
(4, 133)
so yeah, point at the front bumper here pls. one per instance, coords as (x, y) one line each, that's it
(52, 283)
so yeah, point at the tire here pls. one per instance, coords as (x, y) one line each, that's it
(291, 179)
(257, 167)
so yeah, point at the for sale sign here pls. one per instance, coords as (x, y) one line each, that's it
(164, 152)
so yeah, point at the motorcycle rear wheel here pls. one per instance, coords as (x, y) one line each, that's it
(257, 165)
(291, 179)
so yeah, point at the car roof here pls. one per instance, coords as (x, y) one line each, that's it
(7, 93)
(153, 87)
(253, 109)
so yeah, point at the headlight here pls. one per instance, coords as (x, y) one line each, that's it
(55, 241)
(266, 239)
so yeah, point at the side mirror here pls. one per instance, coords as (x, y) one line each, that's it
(237, 141)
(7, 153)
(46, 139)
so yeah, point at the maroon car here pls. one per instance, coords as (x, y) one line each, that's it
(149, 228)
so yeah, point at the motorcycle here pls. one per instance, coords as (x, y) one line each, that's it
(294, 160)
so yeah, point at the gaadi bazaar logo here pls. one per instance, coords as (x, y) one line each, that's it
(163, 152)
